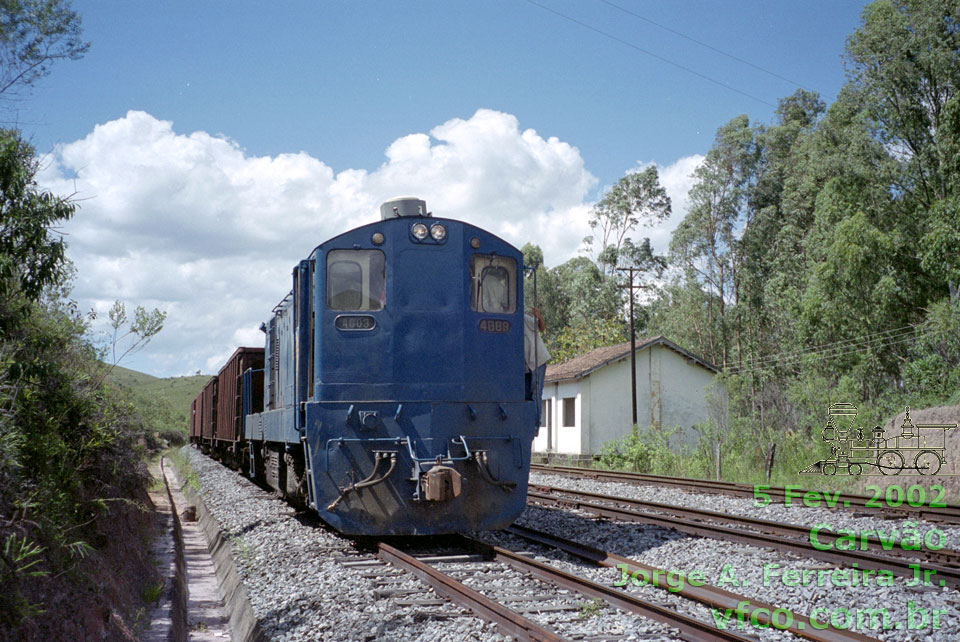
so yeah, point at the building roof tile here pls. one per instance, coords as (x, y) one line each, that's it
(595, 359)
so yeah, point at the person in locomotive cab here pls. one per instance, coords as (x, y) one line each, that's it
(535, 357)
(494, 292)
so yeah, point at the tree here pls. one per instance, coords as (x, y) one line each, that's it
(144, 327)
(31, 254)
(905, 62)
(704, 243)
(770, 258)
(637, 198)
(588, 294)
(551, 301)
(580, 306)
(33, 35)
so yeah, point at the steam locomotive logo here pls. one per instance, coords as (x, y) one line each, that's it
(919, 449)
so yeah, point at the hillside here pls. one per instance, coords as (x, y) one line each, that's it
(165, 402)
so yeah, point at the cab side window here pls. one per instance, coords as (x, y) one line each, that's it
(493, 284)
(356, 280)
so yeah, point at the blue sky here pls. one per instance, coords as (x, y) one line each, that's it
(212, 141)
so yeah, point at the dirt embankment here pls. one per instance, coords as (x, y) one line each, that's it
(949, 474)
(101, 596)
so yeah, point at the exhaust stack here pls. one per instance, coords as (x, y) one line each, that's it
(403, 206)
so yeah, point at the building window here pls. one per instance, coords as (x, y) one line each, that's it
(569, 412)
(545, 408)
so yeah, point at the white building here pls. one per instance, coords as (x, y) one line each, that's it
(587, 401)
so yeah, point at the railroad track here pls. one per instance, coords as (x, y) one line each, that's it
(530, 599)
(711, 596)
(944, 565)
(949, 514)
(452, 574)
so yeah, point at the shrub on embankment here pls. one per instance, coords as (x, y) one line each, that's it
(74, 527)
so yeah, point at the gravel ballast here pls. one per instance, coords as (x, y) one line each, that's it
(842, 593)
(302, 584)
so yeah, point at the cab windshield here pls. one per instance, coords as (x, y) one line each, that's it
(493, 286)
(356, 280)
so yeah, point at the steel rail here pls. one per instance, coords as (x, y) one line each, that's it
(949, 514)
(711, 596)
(509, 622)
(950, 576)
(893, 547)
(691, 628)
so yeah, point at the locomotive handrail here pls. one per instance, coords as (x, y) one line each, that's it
(463, 442)
(339, 441)
(535, 374)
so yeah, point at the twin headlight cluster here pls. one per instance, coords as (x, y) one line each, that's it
(420, 231)
(436, 231)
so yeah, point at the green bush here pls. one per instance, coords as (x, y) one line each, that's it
(71, 466)
(643, 451)
(174, 438)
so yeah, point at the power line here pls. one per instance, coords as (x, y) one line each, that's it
(650, 53)
(703, 44)
(838, 351)
(794, 363)
(833, 345)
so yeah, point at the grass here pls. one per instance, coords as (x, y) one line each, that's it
(165, 402)
(156, 485)
(591, 608)
(244, 550)
(176, 392)
(182, 464)
(152, 592)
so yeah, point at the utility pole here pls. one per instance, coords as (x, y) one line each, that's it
(633, 339)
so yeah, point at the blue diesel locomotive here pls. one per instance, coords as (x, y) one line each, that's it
(393, 392)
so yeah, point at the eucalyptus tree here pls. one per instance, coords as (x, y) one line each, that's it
(905, 63)
(638, 199)
(770, 260)
(549, 297)
(704, 244)
(33, 35)
(864, 275)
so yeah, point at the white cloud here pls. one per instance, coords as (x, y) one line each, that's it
(192, 224)
(677, 179)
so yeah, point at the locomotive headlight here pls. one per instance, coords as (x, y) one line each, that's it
(377, 238)
(438, 232)
(419, 231)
